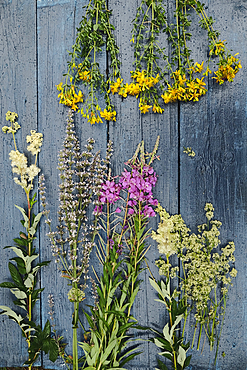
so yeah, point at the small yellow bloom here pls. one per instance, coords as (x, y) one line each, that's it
(144, 108)
(157, 109)
(108, 115)
(198, 67)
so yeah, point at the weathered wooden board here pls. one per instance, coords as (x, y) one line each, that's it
(18, 92)
(216, 129)
(34, 39)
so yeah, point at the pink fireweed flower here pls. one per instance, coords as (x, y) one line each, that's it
(139, 183)
(109, 192)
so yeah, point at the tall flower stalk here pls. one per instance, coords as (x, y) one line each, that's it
(81, 174)
(23, 273)
(207, 271)
(125, 207)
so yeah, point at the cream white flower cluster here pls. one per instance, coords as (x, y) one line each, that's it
(11, 116)
(35, 140)
(18, 160)
(204, 269)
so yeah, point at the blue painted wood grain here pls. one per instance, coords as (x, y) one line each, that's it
(33, 53)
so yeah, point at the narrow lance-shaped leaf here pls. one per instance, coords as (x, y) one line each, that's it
(26, 220)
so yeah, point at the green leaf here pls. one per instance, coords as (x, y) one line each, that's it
(18, 293)
(21, 242)
(108, 350)
(18, 252)
(167, 334)
(29, 281)
(161, 292)
(24, 216)
(47, 329)
(162, 366)
(12, 315)
(187, 361)
(158, 343)
(29, 260)
(181, 356)
(177, 321)
(7, 285)
(133, 295)
(15, 275)
(20, 265)
(130, 357)
(32, 229)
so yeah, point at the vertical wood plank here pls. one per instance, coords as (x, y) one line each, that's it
(17, 93)
(215, 128)
(132, 127)
(57, 23)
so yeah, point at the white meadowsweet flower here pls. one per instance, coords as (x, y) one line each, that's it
(32, 171)
(18, 162)
(35, 140)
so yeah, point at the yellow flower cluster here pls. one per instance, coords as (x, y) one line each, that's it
(228, 70)
(143, 80)
(84, 75)
(184, 89)
(108, 115)
(69, 97)
(141, 84)
(217, 47)
(93, 118)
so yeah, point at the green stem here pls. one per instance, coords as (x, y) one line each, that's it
(178, 35)
(221, 327)
(199, 339)
(194, 335)
(75, 341)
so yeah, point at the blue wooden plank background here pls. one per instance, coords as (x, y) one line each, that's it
(34, 39)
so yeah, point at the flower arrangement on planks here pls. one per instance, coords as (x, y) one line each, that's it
(161, 75)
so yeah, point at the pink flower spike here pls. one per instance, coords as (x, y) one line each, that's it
(118, 210)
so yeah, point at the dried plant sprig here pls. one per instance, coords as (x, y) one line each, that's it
(94, 33)
(207, 271)
(23, 272)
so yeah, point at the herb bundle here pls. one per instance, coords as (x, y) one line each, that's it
(172, 76)
(94, 34)
(23, 272)
(206, 272)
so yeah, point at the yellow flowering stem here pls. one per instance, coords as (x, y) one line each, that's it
(188, 59)
(178, 35)
(141, 27)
